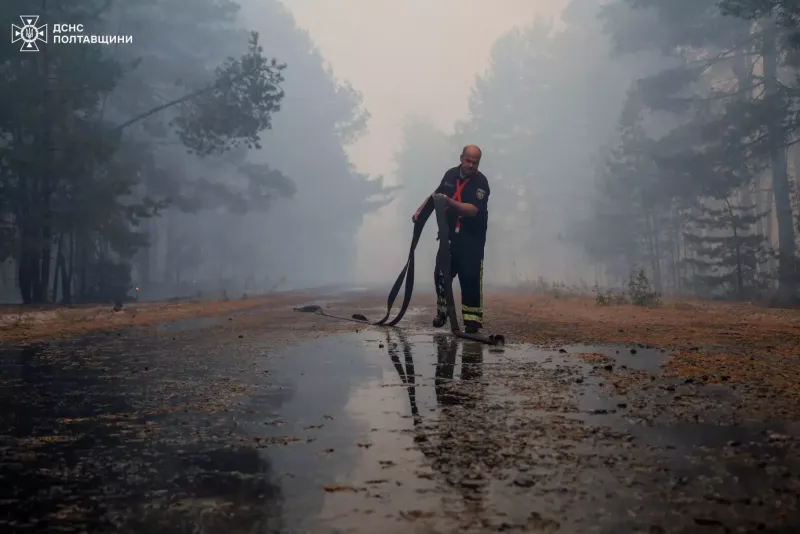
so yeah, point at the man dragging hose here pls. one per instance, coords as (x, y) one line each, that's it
(466, 191)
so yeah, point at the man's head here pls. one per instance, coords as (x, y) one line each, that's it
(470, 160)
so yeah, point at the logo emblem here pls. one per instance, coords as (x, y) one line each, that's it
(480, 194)
(29, 33)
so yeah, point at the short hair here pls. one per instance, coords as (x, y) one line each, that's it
(476, 147)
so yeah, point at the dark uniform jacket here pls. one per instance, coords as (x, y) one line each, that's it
(473, 190)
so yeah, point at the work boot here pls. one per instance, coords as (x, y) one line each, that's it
(471, 328)
(440, 320)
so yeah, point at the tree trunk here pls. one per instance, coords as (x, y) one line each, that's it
(677, 271)
(738, 254)
(45, 256)
(66, 298)
(27, 264)
(739, 274)
(787, 281)
(43, 190)
(67, 274)
(25, 269)
(169, 253)
(652, 242)
(658, 282)
(59, 266)
(83, 258)
(145, 258)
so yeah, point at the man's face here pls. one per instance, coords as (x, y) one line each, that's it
(469, 162)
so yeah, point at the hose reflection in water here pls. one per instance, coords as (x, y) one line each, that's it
(450, 441)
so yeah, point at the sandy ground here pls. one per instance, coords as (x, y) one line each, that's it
(532, 317)
(734, 342)
(230, 416)
(19, 324)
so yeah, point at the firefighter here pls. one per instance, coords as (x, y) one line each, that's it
(466, 191)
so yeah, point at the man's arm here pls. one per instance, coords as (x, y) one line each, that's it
(464, 208)
(477, 203)
(421, 206)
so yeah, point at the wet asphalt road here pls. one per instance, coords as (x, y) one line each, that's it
(375, 431)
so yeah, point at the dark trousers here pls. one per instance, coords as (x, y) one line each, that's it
(466, 262)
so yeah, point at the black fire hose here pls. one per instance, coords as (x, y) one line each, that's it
(407, 276)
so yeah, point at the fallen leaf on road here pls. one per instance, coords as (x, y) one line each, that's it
(336, 488)
(416, 514)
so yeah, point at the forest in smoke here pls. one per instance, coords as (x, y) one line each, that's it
(210, 156)
(653, 136)
(180, 163)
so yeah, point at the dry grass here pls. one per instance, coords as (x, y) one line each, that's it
(18, 324)
(721, 342)
(676, 323)
(543, 317)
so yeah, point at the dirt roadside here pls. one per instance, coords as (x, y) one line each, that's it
(525, 316)
(565, 443)
(745, 346)
(20, 325)
(543, 319)
(712, 341)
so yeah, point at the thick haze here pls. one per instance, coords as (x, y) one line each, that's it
(408, 58)
(189, 161)
(413, 57)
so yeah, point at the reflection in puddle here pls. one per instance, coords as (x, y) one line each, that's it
(397, 474)
(378, 431)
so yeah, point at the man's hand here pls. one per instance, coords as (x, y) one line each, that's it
(447, 200)
(464, 209)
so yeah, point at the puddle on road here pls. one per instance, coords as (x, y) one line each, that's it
(421, 423)
(631, 356)
(356, 409)
(377, 431)
(191, 323)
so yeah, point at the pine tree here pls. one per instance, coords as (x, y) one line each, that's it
(727, 255)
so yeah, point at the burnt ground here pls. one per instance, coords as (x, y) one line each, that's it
(591, 419)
